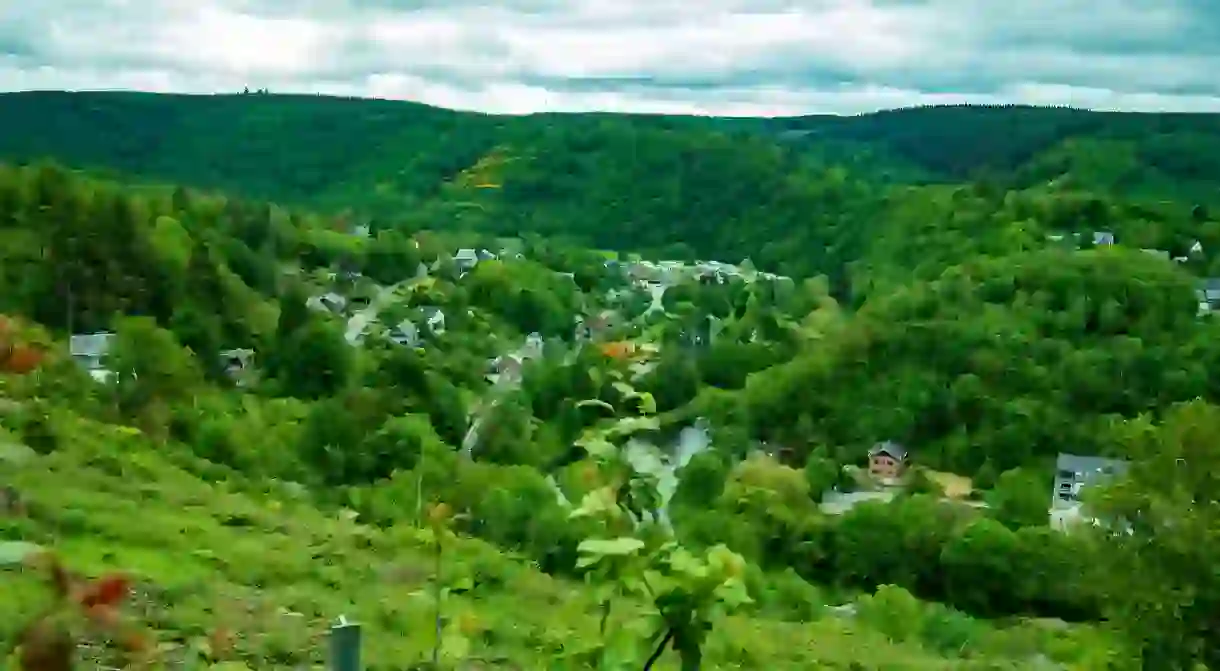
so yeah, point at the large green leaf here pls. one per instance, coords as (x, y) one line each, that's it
(598, 501)
(596, 548)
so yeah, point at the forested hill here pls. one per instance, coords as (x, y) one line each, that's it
(801, 195)
(256, 142)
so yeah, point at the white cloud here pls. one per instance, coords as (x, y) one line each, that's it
(734, 57)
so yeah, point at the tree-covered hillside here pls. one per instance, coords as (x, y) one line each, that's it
(799, 192)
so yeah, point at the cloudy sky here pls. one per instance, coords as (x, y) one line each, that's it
(748, 57)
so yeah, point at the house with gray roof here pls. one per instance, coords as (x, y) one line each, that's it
(236, 363)
(406, 334)
(887, 460)
(434, 318)
(1075, 473)
(327, 302)
(466, 258)
(1103, 239)
(89, 350)
(1208, 293)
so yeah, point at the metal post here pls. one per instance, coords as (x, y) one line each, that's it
(345, 645)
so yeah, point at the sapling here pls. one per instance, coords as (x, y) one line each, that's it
(635, 555)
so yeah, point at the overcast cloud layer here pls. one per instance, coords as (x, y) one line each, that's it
(734, 57)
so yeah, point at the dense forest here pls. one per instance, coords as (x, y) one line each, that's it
(349, 346)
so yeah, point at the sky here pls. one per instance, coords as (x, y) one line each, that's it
(723, 57)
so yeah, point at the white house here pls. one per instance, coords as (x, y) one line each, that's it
(88, 351)
(1073, 475)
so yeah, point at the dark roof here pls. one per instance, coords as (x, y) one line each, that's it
(889, 447)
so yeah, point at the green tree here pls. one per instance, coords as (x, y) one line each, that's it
(1020, 499)
(151, 370)
(1162, 588)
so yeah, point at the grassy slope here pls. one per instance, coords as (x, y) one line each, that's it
(210, 553)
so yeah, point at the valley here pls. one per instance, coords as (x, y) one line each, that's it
(899, 391)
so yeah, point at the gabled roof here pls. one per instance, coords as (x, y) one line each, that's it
(890, 448)
(91, 345)
(1103, 238)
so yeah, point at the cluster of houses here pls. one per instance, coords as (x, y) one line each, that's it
(1207, 291)
(89, 351)
(1108, 239)
(505, 370)
(651, 277)
(888, 463)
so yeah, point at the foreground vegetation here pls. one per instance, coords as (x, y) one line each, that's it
(670, 449)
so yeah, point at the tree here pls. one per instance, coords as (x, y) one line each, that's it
(821, 472)
(1162, 586)
(978, 567)
(151, 370)
(1019, 499)
(315, 361)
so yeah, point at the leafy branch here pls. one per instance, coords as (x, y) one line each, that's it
(636, 557)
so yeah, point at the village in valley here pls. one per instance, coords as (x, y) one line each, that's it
(625, 320)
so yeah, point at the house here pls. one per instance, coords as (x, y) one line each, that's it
(1103, 239)
(532, 348)
(434, 317)
(466, 259)
(89, 350)
(485, 255)
(887, 460)
(506, 370)
(1074, 473)
(1208, 293)
(643, 271)
(327, 302)
(1196, 248)
(405, 334)
(581, 330)
(236, 363)
(604, 322)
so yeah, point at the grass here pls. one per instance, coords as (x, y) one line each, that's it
(954, 486)
(211, 552)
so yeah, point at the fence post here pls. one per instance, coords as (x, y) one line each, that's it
(344, 645)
